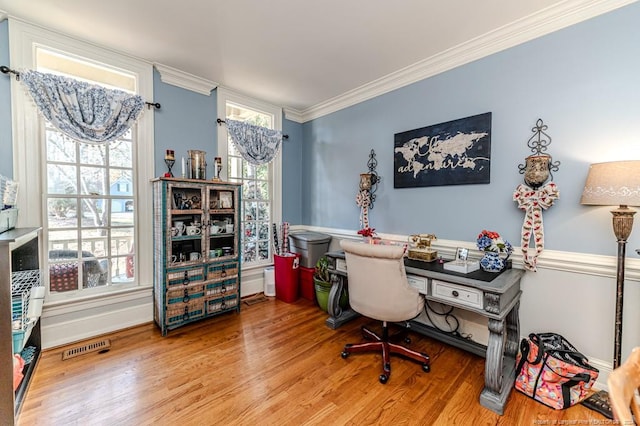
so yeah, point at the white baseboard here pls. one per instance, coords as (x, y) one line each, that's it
(252, 282)
(74, 330)
(605, 368)
(65, 323)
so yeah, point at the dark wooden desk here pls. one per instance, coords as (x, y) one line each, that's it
(494, 296)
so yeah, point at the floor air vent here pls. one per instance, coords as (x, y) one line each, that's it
(255, 299)
(100, 346)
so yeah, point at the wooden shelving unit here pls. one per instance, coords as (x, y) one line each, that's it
(197, 246)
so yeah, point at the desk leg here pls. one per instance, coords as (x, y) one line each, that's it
(499, 370)
(513, 332)
(337, 315)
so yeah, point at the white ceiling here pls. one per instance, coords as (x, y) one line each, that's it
(303, 54)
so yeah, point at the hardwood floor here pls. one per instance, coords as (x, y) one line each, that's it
(272, 364)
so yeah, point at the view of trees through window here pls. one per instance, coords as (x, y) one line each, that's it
(256, 190)
(89, 219)
(90, 199)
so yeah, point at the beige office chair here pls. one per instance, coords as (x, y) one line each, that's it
(623, 382)
(378, 289)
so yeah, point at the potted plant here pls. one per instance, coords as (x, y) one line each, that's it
(322, 284)
(321, 273)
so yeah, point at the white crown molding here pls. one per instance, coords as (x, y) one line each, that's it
(185, 80)
(293, 115)
(3, 15)
(548, 20)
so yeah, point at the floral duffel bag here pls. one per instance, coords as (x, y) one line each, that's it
(550, 370)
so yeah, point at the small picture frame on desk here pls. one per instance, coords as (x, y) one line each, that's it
(462, 254)
(461, 263)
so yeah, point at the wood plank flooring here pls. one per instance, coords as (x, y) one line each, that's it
(274, 363)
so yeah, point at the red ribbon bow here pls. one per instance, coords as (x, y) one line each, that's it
(533, 201)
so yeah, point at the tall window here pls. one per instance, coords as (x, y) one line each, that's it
(89, 221)
(89, 198)
(261, 201)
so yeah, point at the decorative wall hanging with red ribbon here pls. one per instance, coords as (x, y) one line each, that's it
(536, 194)
(366, 192)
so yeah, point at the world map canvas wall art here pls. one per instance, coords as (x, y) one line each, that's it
(457, 152)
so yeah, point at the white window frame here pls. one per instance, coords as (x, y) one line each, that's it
(224, 96)
(28, 148)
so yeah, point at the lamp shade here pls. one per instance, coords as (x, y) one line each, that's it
(616, 183)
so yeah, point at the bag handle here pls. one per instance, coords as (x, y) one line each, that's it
(524, 350)
(570, 354)
(537, 340)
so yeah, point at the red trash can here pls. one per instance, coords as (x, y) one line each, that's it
(307, 290)
(287, 274)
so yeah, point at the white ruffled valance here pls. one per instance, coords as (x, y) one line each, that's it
(81, 110)
(256, 144)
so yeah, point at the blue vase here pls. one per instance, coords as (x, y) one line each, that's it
(492, 262)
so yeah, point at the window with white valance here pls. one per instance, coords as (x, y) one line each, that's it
(250, 147)
(81, 135)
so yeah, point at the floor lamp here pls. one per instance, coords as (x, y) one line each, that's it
(616, 183)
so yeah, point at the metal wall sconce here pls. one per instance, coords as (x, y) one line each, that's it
(367, 188)
(365, 181)
(538, 166)
(369, 181)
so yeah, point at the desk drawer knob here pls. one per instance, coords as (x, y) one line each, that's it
(455, 293)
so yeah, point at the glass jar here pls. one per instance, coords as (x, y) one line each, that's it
(198, 164)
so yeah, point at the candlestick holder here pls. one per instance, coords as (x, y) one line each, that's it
(169, 164)
(218, 168)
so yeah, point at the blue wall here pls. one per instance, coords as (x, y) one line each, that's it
(187, 120)
(292, 172)
(582, 81)
(6, 160)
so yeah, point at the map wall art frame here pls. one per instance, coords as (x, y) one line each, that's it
(456, 152)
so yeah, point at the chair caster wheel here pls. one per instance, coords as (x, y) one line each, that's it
(344, 354)
(426, 368)
(383, 379)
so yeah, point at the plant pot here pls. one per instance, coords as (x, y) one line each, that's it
(322, 294)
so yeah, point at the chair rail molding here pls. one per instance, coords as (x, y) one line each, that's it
(580, 263)
(185, 80)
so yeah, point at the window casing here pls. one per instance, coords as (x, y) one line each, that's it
(38, 166)
(261, 185)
